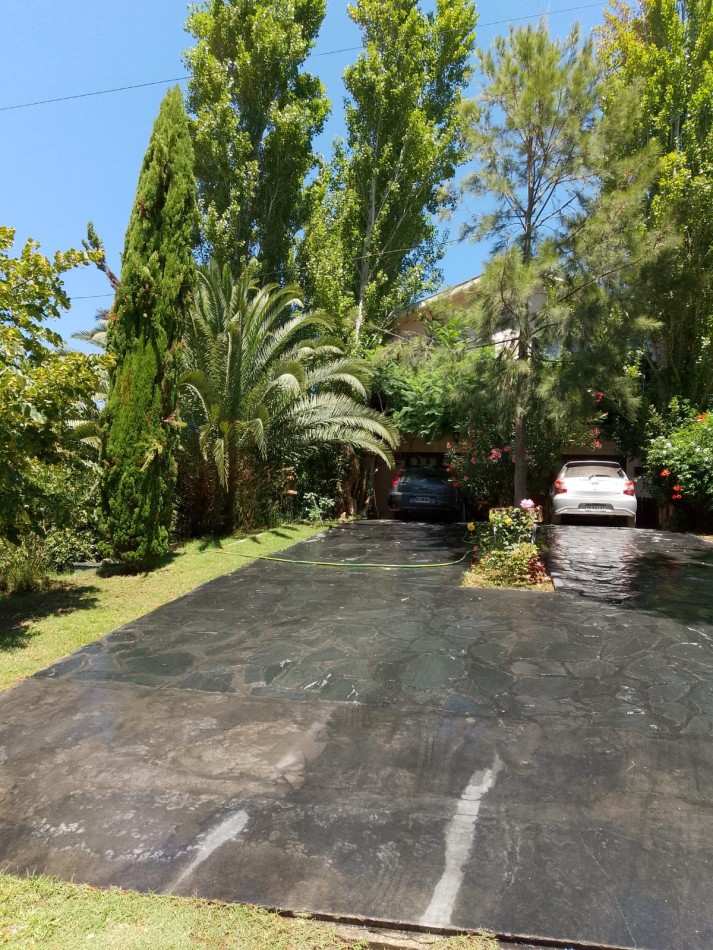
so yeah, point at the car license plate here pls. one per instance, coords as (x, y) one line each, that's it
(596, 507)
(422, 500)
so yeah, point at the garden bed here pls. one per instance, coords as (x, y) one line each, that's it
(505, 553)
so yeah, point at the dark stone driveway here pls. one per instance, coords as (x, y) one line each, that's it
(389, 745)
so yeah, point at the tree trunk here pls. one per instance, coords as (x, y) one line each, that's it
(229, 502)
(359, 321)
(520, 459)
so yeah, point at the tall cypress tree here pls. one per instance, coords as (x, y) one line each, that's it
(157, 281)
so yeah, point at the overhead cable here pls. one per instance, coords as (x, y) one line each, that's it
(330, 52)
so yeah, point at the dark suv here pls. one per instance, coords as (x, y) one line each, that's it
(421, 491)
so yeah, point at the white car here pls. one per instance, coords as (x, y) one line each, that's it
(592, 488)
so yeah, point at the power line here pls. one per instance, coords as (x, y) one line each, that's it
(351, 260)
(85, 95)
(330, 52)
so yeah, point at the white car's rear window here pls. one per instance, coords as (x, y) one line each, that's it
(591, 469)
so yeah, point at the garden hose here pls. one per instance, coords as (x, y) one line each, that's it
(399, 567)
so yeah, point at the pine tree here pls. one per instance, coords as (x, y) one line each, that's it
(157, 282)
(565, 217)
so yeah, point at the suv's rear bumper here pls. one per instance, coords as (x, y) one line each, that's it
(400, 501)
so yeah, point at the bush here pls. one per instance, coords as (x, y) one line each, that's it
(679, 471)
(22, 567)
(481, 463)
(504, 549)
(515, 566)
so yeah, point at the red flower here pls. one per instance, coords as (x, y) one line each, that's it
(665, 473)
(702, 417)
(678, 488)
(676, 497)
(598, 396)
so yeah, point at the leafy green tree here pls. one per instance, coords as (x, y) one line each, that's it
(666, 48)
(157, 282)
(42, 386)
(255, 114)
(565, 218)
(371, 244)
(260, 393)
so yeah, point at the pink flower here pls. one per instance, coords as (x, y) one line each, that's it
(495, 454)
(448, 445)
(597, 444)
(506, 448)
(473, 460)
(598, 396)
(527, 504)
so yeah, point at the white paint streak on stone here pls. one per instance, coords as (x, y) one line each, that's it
(286, 761)
(227, 830)
(459, 841)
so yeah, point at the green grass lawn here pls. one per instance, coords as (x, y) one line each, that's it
(37, 629)
(44, 912)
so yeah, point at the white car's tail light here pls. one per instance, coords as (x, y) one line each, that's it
(560, 487)
(629, 487)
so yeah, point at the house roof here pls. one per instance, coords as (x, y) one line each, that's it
(459, 295)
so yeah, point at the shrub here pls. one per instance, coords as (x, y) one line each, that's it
(517, 565)
(504, 549)
(482, 461)
(506, 527)
(22, 567)
(679, 470)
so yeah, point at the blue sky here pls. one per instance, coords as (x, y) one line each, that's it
(64, 163)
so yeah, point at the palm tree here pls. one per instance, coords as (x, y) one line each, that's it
(98, 333)
(259, 385)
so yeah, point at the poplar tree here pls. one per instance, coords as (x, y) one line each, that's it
(157, 282)
(255, 112)
(371, 244)
(665, 48)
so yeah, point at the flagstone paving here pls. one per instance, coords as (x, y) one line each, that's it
(386, 744)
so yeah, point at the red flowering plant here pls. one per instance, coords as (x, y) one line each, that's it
(481, 463)
(679, 470)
